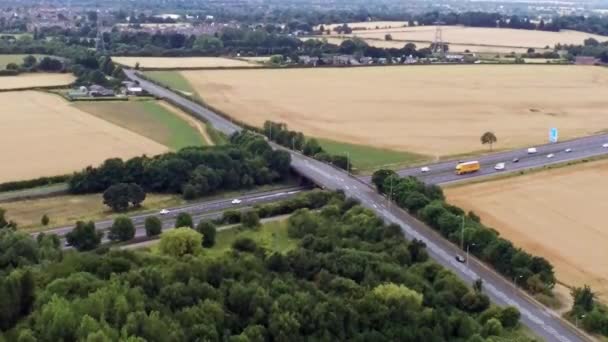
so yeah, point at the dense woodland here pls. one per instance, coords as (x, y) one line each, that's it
(350, 278)
(192, 171)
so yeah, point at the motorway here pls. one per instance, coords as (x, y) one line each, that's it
(541, 321)
(443, 172)
(198, 210)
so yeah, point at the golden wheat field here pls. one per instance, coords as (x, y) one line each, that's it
(43, 135)
(32, 80)
(557, 214)
(182, 62)
(433, 110)
(482, 36)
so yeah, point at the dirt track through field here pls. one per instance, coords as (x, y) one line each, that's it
(43, 135)
(432, 110)
(558, 214)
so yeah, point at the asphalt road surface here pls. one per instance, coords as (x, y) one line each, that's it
(501, 291)
(197, 209)
(444, 172)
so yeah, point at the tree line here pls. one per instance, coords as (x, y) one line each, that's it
(279, 133)
(350, 277)
(192, 171)
(427, 202)
(32, 64)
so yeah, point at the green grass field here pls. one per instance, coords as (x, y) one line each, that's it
(271, 235)
(367, 159)
(147, 118)
(173, 79)
(18, 59)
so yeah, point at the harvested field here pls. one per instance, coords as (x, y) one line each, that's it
(483, 36)
(182, 62)
(32, 80)
(67, 209)
(43, 135)
(431, 110)
(158, 121)
(557, 214)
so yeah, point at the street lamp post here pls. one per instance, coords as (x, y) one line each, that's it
(472, 244)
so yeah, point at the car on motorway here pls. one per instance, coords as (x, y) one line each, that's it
(568, 150)
(164, 211)
(605, 145)
(532, 150)
(236, 201)
(460, 259)
(424, 169)
(499, 167)
(516, 160)
(550, 155)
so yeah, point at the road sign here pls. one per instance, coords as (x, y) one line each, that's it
(553, 135)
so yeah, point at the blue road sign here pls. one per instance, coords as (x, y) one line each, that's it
(553, 135)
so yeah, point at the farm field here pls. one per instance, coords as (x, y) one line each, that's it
(182, 62)
(158, 121)
(43, 135)
(18, 59)
(429, 110)
(31, 80)
(398, 44)
(558, 214)
(67, 209)
(481, 36)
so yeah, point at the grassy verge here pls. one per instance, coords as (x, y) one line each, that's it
(149, 119)
(173, 79)
(216, 136)
(65, 210)
(367, 159)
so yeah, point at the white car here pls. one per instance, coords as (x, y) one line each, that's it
(460, 259)
(236, 201)
(532, 150)
(605, 145)
(568, 150)
(550, 155)
(499, 166)
(424, 169)
(164, 211)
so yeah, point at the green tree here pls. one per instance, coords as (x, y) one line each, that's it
(184, 220)
(29, 61)
(122, 229)
(181, 241)
(312, 147)
(509, 317)
(379, 177)
(12, 66)
(398, 294)
(583, 298)
(153, 225)
(231, 216)
(493, 327)
(84, 237)
(137, 195)
(250, 219)
(207, 228)
(208, 43)
(488, 138)
(45, 220)
(117, 197)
